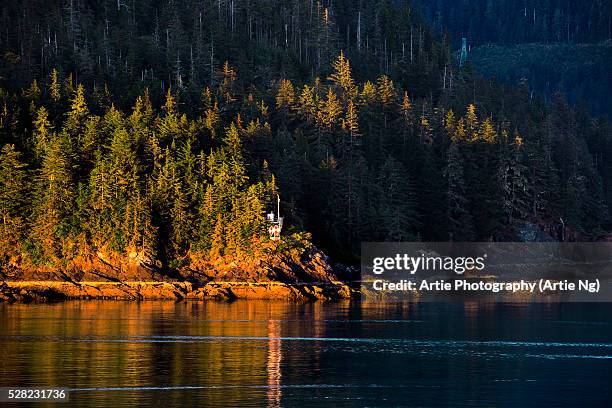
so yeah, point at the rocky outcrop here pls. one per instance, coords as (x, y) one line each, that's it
(273, 291)
(275, 271)
(523, 231)
(272, 262)
(41, 291)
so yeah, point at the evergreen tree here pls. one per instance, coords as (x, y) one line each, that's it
(329, 111)
(285, 98)
(54, 195)
(471, 121)
(351, 122)
(385, 90)
(398, 212)
(42, 134)
(13, 201)
(458, 215)
(342, 77)
(54, 86)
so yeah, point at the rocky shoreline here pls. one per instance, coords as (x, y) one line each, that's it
(47, 291)
(294, 270)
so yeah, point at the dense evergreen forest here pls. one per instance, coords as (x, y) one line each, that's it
(552, 45)
(521, 21)
(163, 130)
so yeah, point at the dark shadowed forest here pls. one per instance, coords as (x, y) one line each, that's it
(163, 130)
(547, 45)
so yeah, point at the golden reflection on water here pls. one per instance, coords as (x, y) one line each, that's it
(140, 344)
(274, 363)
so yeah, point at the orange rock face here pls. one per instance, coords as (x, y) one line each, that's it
(33, 291)
(295, 271)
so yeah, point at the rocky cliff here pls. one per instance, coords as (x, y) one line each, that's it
(299, 271)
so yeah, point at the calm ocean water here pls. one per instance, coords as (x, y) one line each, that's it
(253, 354)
